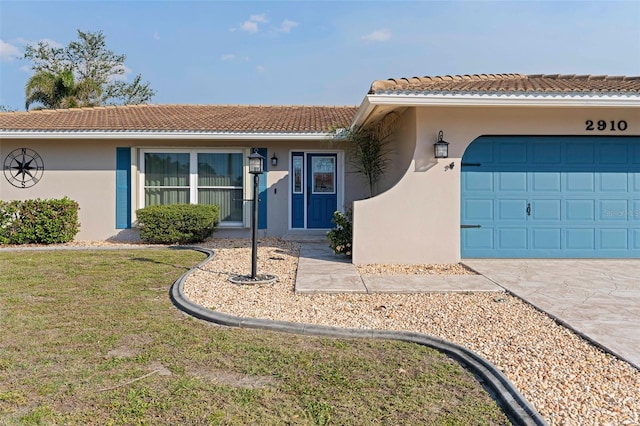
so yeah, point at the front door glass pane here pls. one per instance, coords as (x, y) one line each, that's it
(324, 175)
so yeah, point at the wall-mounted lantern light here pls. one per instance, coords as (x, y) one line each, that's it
(441, 148)
(274, 160)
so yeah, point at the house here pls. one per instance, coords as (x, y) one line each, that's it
(537, 166)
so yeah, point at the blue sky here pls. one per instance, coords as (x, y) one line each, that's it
(321, 52)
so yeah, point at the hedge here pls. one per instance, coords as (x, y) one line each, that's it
(177, 223)
(38, 221)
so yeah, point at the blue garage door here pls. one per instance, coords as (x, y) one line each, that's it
(551, 197)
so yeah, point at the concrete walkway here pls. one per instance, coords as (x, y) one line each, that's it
(321, 271)
(599, 299)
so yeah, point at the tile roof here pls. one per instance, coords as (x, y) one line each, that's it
(510, 83)
(186, 118)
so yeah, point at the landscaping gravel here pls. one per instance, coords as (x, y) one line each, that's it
(568, 380)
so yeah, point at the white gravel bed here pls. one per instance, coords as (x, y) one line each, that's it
(437, 269)
(568, 380)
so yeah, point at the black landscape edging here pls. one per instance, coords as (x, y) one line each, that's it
(516, 407)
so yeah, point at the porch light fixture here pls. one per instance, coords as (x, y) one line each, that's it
(441, 148)
(274, 160)
(256, 163)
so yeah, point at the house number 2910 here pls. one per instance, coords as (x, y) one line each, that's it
(602, 125)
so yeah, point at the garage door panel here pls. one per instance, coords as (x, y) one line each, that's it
(580, 182)
(614, 210)
(511, 181)
(613, 153)
(614, 182)
(635, 239)
(546, 238)
(512, 153)
(512, 209)
(614, 239)
(481, 239)
(512, 238)
(546, 182)
(478, 182)
(549, 210)
(482, 154)
(546, 153)
(478, 210)
(578, 153)
(580, 210)
(583, 194)
(580, 238)
(634, 152)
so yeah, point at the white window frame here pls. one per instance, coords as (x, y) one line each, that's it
(193, 176)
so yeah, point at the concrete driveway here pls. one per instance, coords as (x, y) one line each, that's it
(599, 299)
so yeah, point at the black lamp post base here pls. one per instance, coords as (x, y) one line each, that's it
(259, 279)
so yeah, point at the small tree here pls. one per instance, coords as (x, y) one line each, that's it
(368, 148)
(85, 72)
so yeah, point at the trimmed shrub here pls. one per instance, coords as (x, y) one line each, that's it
(38, 221)
(177, 223)
(341, 237)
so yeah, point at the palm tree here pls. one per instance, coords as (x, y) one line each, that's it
(59, 90)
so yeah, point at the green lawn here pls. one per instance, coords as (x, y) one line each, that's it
(91, 337)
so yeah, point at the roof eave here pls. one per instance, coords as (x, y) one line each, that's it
(146, 135)
(505, 99)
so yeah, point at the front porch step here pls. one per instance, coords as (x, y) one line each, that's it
(307, 236)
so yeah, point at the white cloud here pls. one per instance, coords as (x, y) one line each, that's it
(260, 68)
(122, 77)
(287, 25)
(228, 57)
(380, 35)
(262, 18)
(51, 43)
(251, 25)
(8, 52)
(156, 36)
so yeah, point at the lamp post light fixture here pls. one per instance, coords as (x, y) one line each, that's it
(441, 148)
(256, 168)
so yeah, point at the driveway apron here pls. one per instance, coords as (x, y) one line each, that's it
(599, 299)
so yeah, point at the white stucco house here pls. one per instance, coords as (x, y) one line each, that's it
(537, 166)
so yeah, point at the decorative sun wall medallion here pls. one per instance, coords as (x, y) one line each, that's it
(23, 168)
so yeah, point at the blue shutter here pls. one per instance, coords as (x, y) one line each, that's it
(123, 188)
(262, 191)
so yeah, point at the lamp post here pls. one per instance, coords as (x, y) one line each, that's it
(256, 168)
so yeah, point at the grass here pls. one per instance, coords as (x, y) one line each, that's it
(90, 337)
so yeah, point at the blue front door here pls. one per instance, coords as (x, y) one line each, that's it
(551, 197)
(321, 189)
